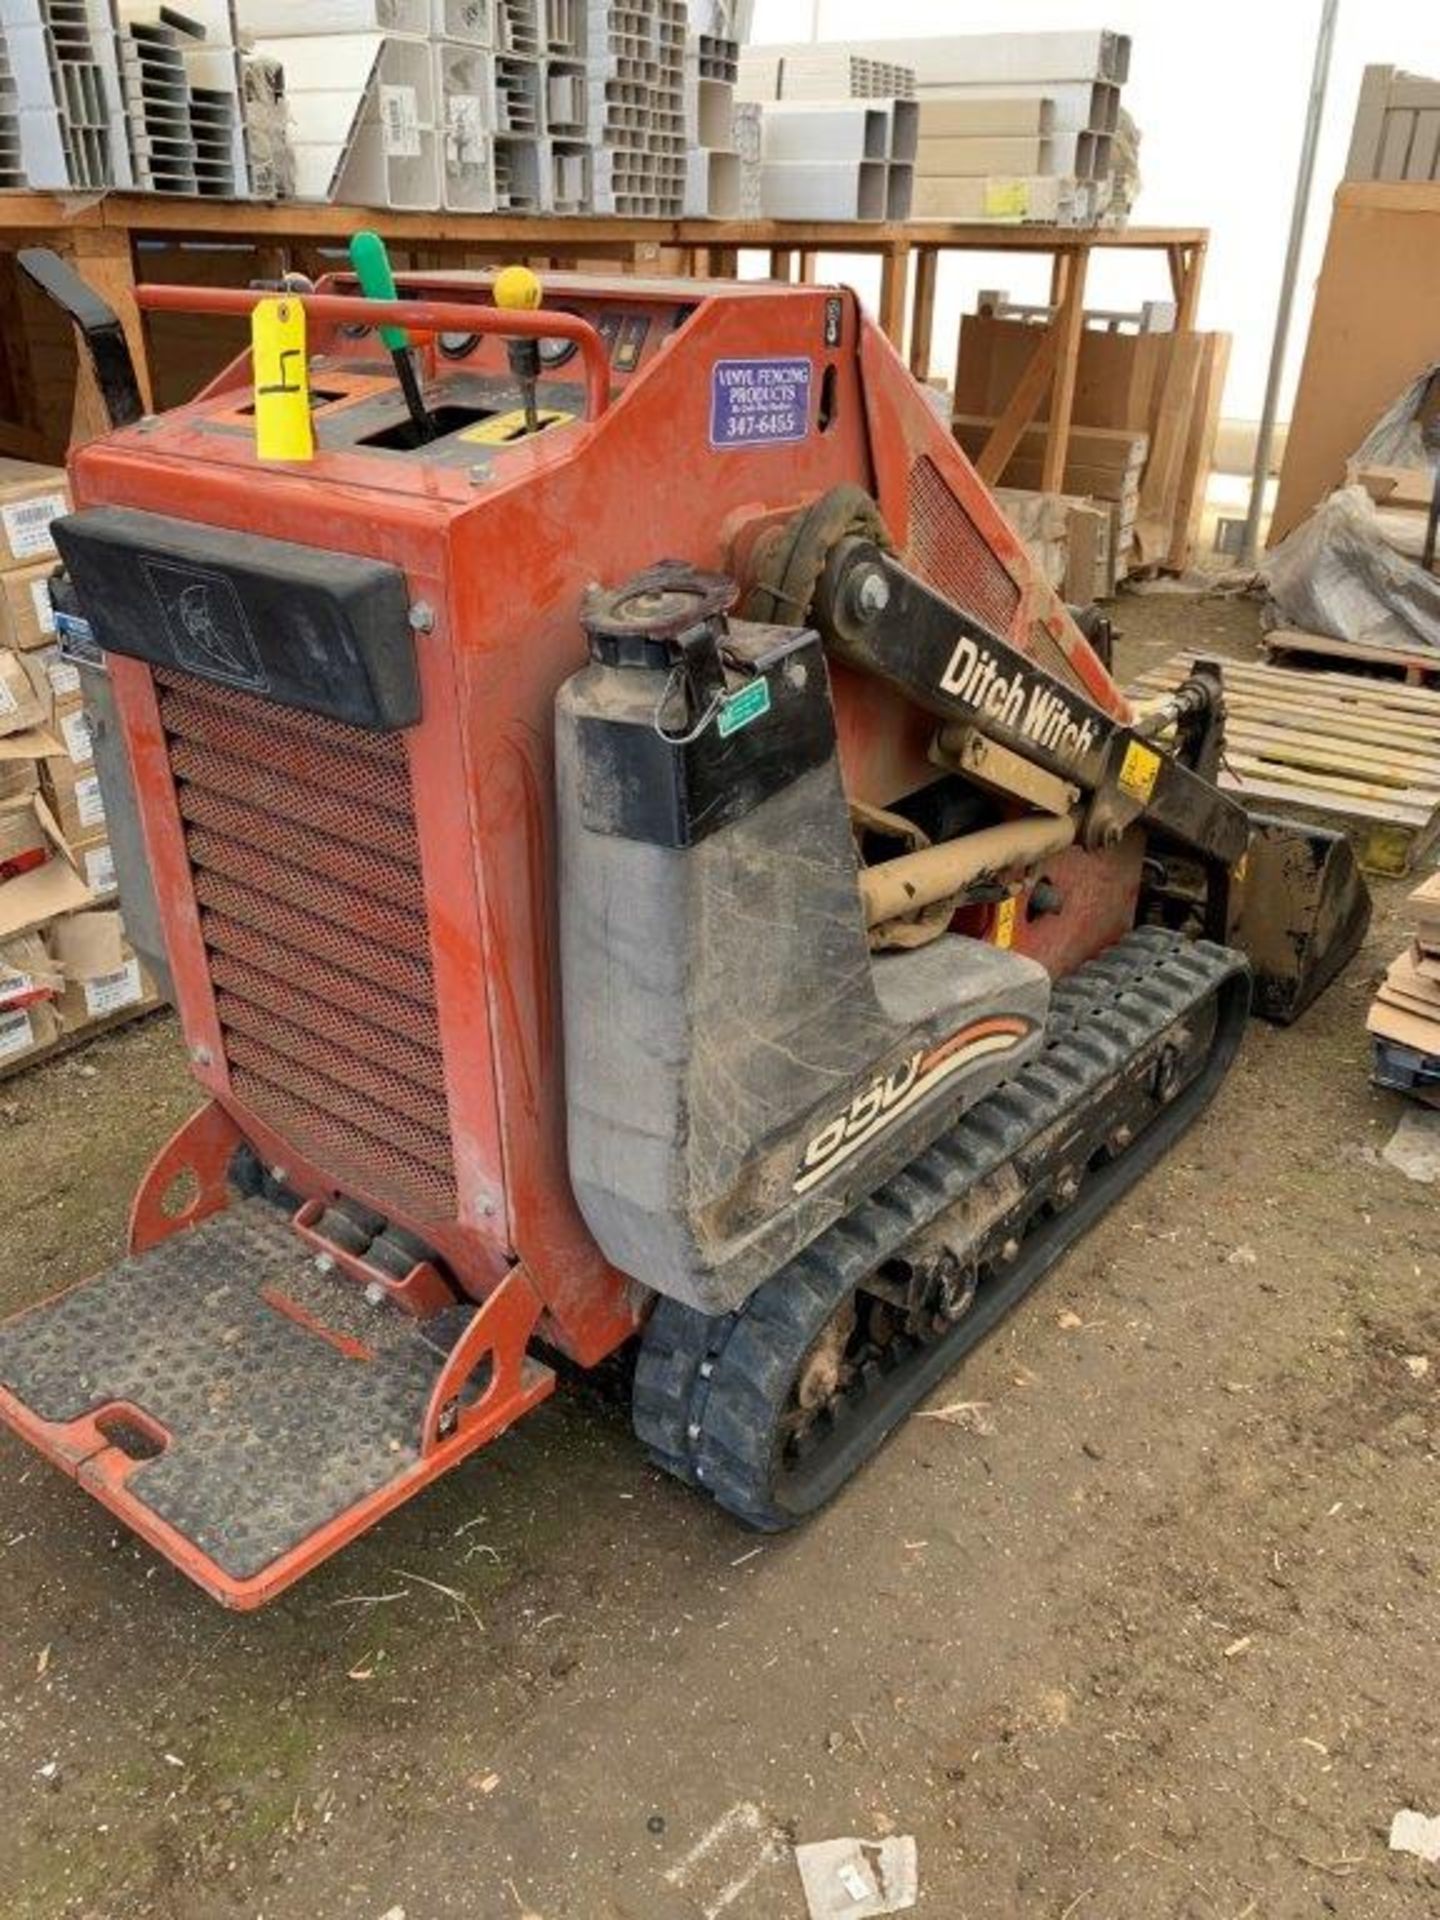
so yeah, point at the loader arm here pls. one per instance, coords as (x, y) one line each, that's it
(1290, 897)
(882, 619)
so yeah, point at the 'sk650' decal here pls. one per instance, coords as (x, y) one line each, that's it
(891, 1094)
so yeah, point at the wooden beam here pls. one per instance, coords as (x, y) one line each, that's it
(1068, 327)
(1020, 408)
(1187, 301)
(186, 216)
(894, 278)
(1169, 434)
(1189, 512)
(922, 312)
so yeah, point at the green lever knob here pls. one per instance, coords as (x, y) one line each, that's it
(371, 261)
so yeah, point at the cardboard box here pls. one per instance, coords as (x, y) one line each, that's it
(60, 679)
(1089, 555)
(38, 888)
(23, 841)
(1405, 1026)
(1071, 541)
(1405, 985)
(96, 861)
(72, 728)
(27, 620)
(21, 755)
(73, 796)
(27, 973)
(102, 975)
(1100, 466)
(1040, 520)
(30, 498)
(88, 945)
(27, 1030)
(19, 779)
(57, 783)
(1424, 906)
(1111, 449)
(89, 803)
(24, 695)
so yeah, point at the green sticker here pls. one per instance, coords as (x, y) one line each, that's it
(743, 707)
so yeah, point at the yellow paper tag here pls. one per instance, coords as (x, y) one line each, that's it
(501, 428)
(1005, 924)
(1007, 199)
(283, 427)
(1139, 771)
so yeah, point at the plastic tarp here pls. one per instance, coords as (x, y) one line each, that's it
(1338, 574)
(1397, 438)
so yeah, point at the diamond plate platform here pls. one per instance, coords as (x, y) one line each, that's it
(243, 1411)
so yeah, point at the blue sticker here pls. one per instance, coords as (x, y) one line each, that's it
(760, 403)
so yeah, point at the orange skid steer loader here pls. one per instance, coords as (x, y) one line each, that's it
(644, 862)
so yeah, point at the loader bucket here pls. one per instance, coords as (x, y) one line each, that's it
(1304, 909)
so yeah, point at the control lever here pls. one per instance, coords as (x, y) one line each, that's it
(371, 261)
(99, 328)
(518, 290)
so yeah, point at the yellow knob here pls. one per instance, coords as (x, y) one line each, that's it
(518, 290)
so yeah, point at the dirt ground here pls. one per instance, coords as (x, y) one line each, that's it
(1154, 1638)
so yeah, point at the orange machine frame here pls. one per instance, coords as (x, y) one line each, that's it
(497, 563)
(502, 570)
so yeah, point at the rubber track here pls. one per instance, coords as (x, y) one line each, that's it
(706, 1386)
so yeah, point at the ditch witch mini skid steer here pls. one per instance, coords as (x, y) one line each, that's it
(643, 861)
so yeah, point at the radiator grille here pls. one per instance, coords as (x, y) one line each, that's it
(306, 868)
(949, 550)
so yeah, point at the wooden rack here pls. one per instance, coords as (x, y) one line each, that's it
(117, 240)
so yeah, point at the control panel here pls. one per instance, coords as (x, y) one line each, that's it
(338, 368)
(479, 400)
(632, 336)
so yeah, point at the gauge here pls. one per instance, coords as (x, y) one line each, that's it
(457, 346)
(352, 330)
(556, 352)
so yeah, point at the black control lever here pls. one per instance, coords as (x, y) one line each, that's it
(99, 329)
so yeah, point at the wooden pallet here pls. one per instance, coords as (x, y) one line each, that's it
(1332, 749)
(1416, 666)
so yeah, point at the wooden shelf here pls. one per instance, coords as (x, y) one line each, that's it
(193, 216)
(116, 240)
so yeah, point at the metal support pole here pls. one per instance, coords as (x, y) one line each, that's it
(1319, 79)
